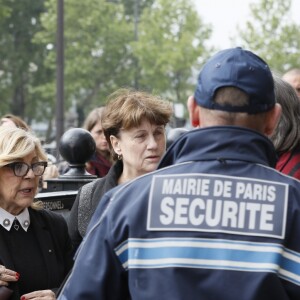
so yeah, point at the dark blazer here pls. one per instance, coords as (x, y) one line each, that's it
(52, 234)
(87, 200)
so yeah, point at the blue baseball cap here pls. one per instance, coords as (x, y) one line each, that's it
(238, 68)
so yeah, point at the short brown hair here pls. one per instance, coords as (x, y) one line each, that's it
(127, 108)
(231, 96)
(234, 96)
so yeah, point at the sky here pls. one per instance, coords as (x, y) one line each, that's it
(226, 15)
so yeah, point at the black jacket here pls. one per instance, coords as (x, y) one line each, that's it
(52, 235)
(87, 200)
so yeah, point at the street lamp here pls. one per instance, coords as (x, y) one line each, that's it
(59, 72)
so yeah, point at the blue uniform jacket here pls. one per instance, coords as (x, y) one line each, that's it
(215, 222)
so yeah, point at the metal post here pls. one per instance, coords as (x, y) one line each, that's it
(60, 72)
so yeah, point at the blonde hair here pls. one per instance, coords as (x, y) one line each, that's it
(16, 143)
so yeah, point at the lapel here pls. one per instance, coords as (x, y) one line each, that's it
(42, 232)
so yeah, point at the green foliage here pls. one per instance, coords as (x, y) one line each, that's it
(156, 45)
(5, 10)
(170, 42)
(97, 58)
(153, 44)
(101, 50)
(21, 60)
(271, 33)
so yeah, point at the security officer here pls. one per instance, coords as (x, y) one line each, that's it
(216, 221)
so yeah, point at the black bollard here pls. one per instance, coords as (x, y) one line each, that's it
(76, 146)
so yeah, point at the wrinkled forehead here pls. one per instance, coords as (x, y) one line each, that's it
(145, 124)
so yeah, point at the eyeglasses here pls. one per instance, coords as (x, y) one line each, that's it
(21, 169)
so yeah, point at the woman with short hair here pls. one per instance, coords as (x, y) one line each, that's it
(134, 126)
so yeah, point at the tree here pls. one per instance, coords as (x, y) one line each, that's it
(170, 45)
(271, 33)
(108, 44)
(101, 47)
(131, 5)
(21, 61)
(97, 58)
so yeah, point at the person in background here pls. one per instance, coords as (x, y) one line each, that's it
(293, 78)
(35, 248)
(13, 121)
(101, 161)
(133, 123)
(174, 133)
(216, 220)
(286, 136)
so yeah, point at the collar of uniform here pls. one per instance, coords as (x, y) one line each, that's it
(7, 219)
(221, 143)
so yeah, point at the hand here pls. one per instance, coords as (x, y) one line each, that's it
(7, 275)
(39, 295)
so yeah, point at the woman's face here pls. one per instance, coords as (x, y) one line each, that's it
(141, 148)
(100, 140)
(17, 193)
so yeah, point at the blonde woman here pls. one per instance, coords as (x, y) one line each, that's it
(35, 249)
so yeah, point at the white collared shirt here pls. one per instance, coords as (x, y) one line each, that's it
(7, 219)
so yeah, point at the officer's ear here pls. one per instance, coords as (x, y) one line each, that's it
(193, 110)
(115, 143)
(272, 119)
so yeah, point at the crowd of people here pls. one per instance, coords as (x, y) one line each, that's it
(211, 212)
